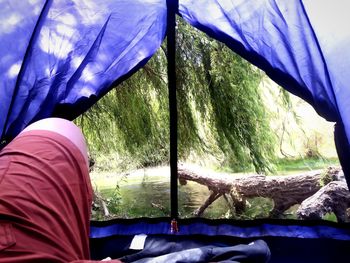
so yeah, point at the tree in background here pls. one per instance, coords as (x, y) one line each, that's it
(221, 113)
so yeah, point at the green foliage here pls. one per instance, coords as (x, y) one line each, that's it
(111, 201)
(226, 101)
(258, 207)
(302, 164)
(131, 121)
(330, 217)
(312, 146)
(220, 110)
(114, 201)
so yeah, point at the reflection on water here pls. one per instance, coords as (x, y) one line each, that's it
(150, 197)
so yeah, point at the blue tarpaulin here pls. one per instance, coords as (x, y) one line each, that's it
(57, 58)
(302, 45)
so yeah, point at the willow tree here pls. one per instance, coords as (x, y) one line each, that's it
(220, 109)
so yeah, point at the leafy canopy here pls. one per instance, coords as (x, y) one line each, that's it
(220, 110)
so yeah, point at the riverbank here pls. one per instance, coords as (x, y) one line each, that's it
(146, 192)
(108, 179)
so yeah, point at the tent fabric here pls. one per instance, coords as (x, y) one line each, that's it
(154, 251)
(288, 240)
(301, 45)
(241, 229)
(286, 39)
(59, 57)
(286, 250)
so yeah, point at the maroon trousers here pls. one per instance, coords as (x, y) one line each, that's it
(45, 200)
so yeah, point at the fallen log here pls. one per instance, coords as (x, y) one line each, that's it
(285, 191)
(332, 198)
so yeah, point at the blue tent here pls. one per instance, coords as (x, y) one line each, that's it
(57, 58)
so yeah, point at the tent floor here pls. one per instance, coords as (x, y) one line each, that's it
(283, 249)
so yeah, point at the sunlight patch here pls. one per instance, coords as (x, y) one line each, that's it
(14, 70)
(8, 24)
(67, 19)
(65, 30)
(53, 44)
(33, 2)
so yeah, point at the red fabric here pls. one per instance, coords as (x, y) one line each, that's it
(93, 261)
(45, 200)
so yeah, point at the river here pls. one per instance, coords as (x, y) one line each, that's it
(146, 193)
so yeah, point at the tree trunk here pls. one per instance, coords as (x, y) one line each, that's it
(285, 191)
(332, 198)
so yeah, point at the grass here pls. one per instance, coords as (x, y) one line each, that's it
(308, 164)
(109, 179)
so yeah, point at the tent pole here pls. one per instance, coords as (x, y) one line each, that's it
(342, 147)
(172, 7)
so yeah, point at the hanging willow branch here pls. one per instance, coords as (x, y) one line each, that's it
(220, 109)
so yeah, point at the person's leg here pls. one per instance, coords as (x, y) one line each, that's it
(45, 195)
(63, 127)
